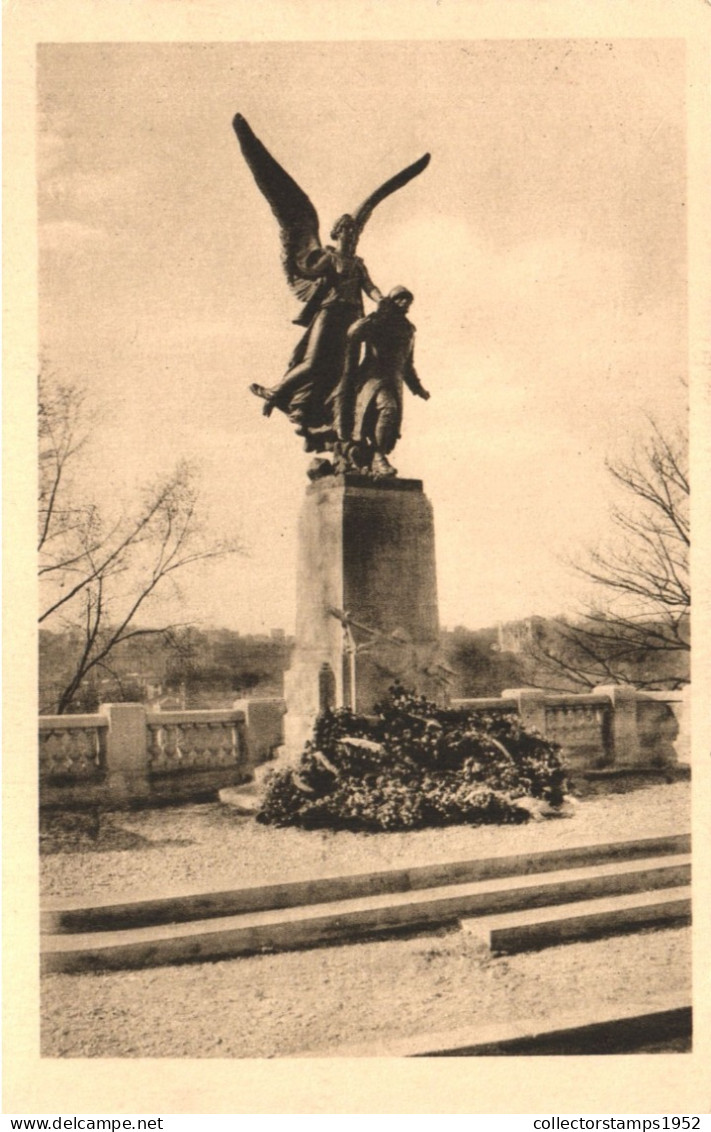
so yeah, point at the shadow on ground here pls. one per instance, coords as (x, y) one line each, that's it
(91, 831)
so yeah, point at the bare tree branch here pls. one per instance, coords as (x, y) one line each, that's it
(97, 576)
(639, 630)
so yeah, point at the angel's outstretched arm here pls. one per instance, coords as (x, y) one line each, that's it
(369, 286)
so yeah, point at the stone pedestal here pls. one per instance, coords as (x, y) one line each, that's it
(366, 599)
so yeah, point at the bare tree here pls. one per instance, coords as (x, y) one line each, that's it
(65, 523)
(637, 630)
(97, 577)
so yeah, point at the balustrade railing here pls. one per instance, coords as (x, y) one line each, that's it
(613, 726)
(490, 705)
(72, 747)
(194, 740)
(125, 753)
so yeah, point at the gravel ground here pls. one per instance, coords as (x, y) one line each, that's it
(370, 992)
(200, 847)
(317, 1000)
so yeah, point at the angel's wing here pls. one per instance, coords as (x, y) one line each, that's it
(363, 213)
(295, 214)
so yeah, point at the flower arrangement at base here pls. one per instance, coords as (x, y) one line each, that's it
(415, 765)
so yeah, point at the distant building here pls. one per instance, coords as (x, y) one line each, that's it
(518, 636)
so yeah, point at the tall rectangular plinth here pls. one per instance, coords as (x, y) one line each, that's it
(366, 601)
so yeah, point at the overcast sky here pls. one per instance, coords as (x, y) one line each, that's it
(545, 245)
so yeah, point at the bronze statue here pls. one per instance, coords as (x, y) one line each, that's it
(368, 401)
(330, 281)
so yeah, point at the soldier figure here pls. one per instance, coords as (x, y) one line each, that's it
(368, 401)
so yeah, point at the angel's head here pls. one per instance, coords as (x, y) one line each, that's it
(345, 231)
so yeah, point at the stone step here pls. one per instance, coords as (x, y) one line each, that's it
(245, 799)
(60, 915)
(282, 929)
(637, 1027)
(544, 927)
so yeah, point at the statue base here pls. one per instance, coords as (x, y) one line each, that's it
(367, 599)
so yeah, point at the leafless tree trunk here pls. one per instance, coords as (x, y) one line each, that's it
(96, 578)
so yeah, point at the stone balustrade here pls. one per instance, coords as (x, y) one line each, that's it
(72, 748)
(194, 740)
(126, 755)
(614, 728)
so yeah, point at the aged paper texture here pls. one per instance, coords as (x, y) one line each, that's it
(404, 76)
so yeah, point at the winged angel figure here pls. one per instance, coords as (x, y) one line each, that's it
(329, 281)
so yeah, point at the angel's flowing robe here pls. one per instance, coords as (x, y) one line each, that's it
(316, 365)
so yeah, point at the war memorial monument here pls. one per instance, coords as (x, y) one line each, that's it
(366, 581)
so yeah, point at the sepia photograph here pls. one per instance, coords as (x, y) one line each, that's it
(364, 375)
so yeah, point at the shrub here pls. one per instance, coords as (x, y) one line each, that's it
(411, 766)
